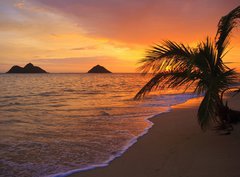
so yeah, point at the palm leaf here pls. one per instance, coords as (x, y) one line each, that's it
(161, 57)
(174, 65)
(225, 27)
(168, 80)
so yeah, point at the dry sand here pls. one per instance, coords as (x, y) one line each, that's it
(176, 147)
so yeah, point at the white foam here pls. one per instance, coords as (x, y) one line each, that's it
(183, 98)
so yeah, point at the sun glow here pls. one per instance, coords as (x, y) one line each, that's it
(73, 40)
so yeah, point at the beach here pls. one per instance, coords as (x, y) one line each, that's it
(119, 88)
(176, 147)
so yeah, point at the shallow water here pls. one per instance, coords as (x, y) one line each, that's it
(55, 123)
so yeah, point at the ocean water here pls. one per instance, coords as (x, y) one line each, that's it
(56, 124)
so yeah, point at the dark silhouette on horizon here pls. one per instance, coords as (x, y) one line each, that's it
(29, 68)
(99, 69)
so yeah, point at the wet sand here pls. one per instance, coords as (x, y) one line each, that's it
(176, 147)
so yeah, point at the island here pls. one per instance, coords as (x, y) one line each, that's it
(29, 68)
(99, 69)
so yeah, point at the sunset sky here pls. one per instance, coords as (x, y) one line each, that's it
(74, 35)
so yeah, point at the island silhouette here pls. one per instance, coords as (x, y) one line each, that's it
(99, 69)
(29, 68)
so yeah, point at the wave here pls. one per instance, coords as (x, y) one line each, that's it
(114, 156)
(180, 98)
(12, 121)
(46, 94)
(95, 111)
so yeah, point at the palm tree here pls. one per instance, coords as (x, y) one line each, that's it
(174, 65)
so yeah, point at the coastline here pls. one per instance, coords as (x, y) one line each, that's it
(176, 146)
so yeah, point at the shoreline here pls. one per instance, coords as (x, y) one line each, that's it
(125, 148)
(143, 158)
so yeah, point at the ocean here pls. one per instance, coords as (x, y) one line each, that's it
(57, 124)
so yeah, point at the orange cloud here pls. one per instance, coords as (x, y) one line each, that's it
(119, 30)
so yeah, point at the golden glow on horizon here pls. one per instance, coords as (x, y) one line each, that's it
(60, 43)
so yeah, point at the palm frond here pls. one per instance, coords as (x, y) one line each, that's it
(225, 26)
(206, 57)
(233, 90)
(174, 65)
(168, 54)
(168, 80)
(236, 92)
(226, 79)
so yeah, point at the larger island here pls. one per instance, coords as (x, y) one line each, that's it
(29, 68)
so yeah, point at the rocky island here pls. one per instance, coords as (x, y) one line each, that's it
(29, 68)
(99, 69)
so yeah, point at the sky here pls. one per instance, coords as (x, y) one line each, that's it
(74, 35)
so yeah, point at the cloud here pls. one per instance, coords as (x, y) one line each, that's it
(20, 4)
(75, 60)
(70, 34)
(146, 20)
(85, 48)
(83, 64)
(28, 19)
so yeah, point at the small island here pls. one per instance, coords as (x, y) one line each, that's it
(29, 68)
(99, 69)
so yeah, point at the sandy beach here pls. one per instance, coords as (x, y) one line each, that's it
(176, 147)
